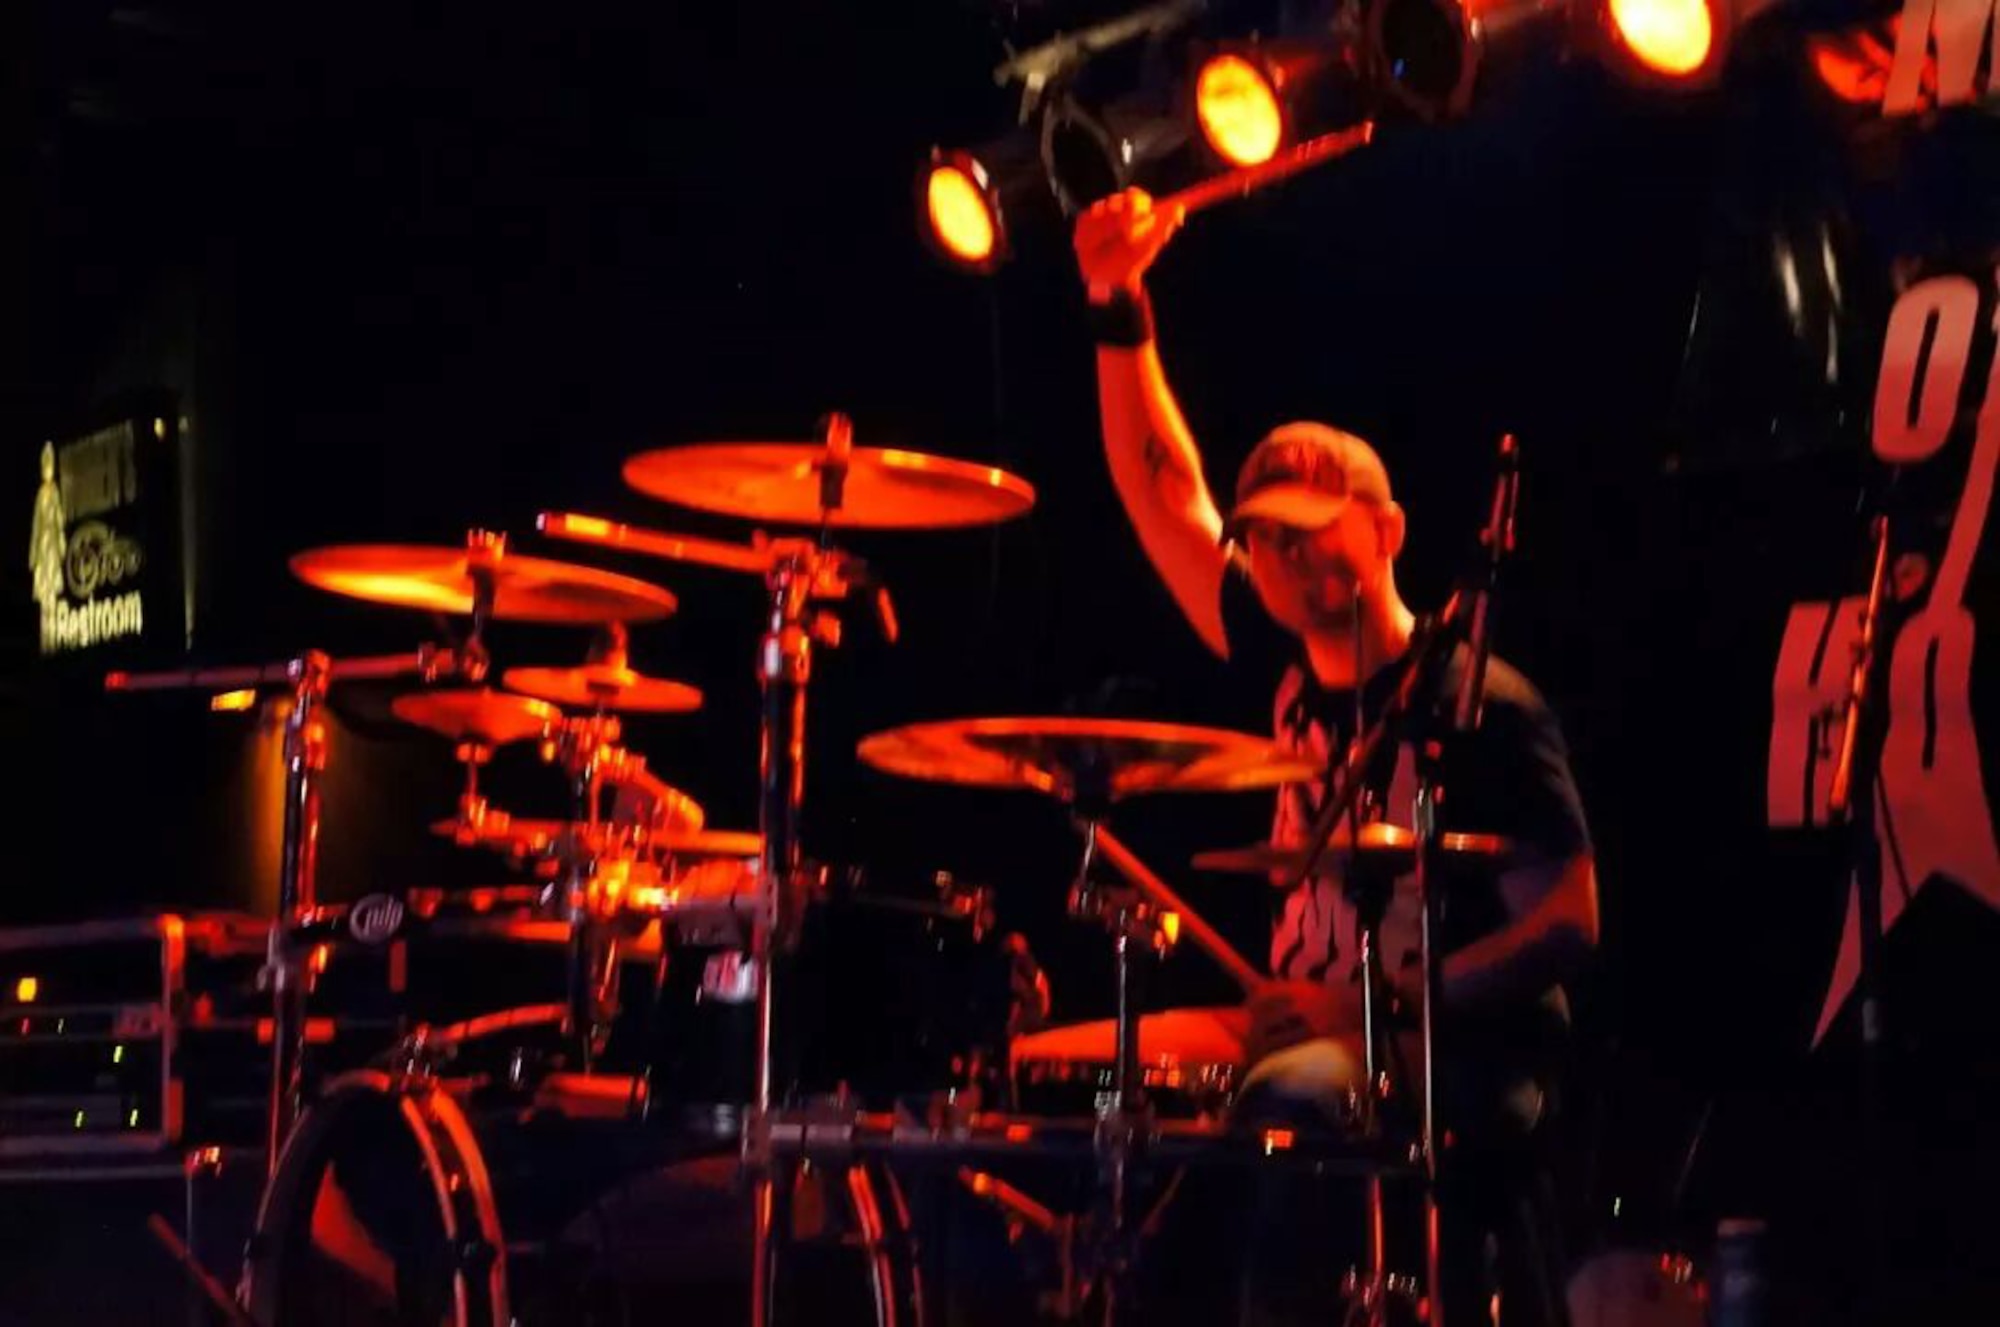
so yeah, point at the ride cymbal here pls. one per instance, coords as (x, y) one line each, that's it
(442, 580)
(783, 483)
(1108, 758)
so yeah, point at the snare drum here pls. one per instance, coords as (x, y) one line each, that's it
(1190, 1062)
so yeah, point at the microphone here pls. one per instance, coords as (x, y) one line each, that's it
(1498, 539)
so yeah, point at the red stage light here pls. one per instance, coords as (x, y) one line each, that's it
(1670, 38)
(961, 217)
(1237, 105)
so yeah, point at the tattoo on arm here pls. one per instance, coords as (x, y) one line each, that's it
(1158, 459)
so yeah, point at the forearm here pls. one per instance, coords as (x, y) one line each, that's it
(1151, 451)
(1157, 471)
(1548, 946)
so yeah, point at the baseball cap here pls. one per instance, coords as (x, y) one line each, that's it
(1303, 475)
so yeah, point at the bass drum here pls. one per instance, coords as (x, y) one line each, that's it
(394, 1203)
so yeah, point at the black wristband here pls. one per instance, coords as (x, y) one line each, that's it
(1124, 321)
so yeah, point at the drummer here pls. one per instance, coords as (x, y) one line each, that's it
(1297, 586)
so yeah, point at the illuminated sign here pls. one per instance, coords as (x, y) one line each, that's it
(100, 547)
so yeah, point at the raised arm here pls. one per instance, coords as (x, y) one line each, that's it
(1154, 462)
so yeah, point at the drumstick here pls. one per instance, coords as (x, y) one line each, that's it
(1243, 182)
(1205, 936)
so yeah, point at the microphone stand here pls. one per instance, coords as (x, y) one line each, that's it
(1467, 707)
(1430, 647)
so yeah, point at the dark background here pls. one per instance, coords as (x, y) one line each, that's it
(414, 269)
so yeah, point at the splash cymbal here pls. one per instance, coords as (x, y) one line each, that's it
(781, 483)
(441, 579)
(1382, 844)
(607, 686)
(1109, 758)
(476, 714)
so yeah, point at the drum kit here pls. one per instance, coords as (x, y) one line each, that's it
(415, 1190)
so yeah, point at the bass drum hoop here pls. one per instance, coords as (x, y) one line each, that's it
(459, 1183)
(462, 1188)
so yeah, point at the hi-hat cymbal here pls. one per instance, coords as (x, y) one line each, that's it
(476, 714)
(780, 482)
(440, 579)
(1108, 758)
(610, 686)
(1382, 844)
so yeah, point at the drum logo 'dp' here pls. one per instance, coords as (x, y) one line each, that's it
(375, 919)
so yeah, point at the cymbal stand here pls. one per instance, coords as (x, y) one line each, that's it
(305, 761)
(799, 575)
(286, 972)
(1497, 540)
(1140, 932)
(587, 748)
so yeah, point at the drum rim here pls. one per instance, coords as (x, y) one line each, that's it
(460, 1185)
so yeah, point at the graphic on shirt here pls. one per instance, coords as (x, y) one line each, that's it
(1314, 937)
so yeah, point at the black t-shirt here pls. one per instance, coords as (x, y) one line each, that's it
(1509, 777)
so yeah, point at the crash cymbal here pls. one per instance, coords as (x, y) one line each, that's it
(606, 686)
(1382, 844)
(1108, 758)
(476, 714)
(440, 579)
(780, 483)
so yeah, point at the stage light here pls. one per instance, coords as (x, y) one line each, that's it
(1670, 38)
(1238, 108)
(974, 203)
(1423, 57)
(1410, 59)
(977, 205)
(1661, 45)
(963, 215)
(1675, 46)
